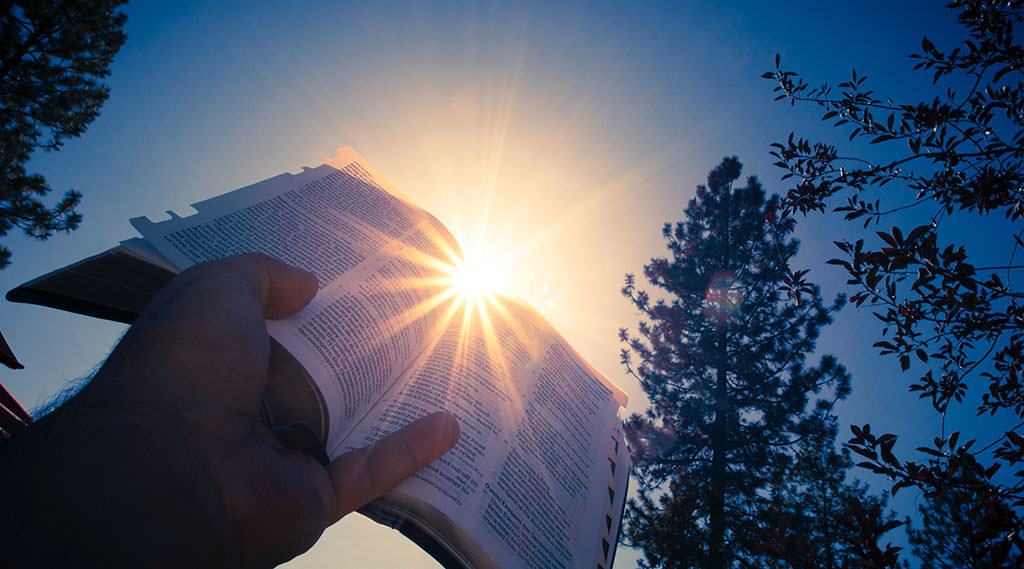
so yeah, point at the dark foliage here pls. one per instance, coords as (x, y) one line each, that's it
(954, 534)
(955, 157)
(811, 521)
(53, 55)
(722, 356)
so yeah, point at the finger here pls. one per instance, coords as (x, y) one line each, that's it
(204, 333)
(365, 474)
(228, 287)
(279, 288)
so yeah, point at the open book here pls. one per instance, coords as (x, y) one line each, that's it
(538, 478)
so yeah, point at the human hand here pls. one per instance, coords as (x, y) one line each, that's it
(162, 459)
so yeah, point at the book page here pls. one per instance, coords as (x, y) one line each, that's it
(538, 476)
(379, 261)
(533, 477)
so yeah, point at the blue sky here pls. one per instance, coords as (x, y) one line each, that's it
(560, 135)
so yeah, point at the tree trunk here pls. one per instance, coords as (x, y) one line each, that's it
(719, 429)
(716, 533)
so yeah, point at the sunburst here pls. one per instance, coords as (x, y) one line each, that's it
(475, 280)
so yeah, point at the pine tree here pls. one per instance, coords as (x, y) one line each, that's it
(722, 356)
(804, 523)
(53, 55)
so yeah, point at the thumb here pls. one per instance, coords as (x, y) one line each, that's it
(363, 475)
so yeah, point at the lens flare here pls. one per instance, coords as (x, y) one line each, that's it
(723, 296)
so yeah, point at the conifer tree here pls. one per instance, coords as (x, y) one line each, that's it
(722, 354)
(806, 522)
(53, 57)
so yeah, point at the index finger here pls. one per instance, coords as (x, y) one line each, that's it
(278, 288)
(204, 332)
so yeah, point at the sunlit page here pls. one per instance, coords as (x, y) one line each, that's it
(394, 334)
(378, 260)
(529, 477)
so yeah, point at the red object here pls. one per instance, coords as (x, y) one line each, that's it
(13, 416)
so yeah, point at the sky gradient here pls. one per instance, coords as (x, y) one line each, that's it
(557, 139)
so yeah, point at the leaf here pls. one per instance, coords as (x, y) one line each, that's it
(887, 455)
(888, 239)
(917, 232)
(867, 453)
(891, 525)
(927, 45)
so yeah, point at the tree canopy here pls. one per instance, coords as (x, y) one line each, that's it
(53, 57)
(956, 157)
(722, 354)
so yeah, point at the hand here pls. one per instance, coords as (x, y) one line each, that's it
(162, 460)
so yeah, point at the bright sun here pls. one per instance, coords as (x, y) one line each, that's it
(475, 279)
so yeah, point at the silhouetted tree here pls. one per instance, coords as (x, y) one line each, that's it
(811, 508)
(722, 356)
(53, 54)
(955, 157)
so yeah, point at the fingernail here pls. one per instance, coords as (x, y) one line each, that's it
(451, 429)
